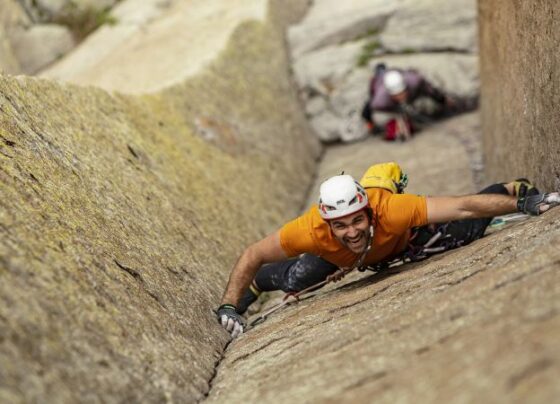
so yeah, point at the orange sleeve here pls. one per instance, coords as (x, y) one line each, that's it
(296, 236)
(403, 211)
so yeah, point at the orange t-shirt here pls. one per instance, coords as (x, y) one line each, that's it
(395, 215)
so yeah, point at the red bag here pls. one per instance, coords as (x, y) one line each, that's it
(391, 129)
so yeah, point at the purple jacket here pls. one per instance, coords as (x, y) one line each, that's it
(416, 85)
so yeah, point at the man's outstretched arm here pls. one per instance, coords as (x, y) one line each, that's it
(263, 251)
(266, 250)
(445, 209)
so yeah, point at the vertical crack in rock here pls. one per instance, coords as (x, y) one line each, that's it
(215, 372)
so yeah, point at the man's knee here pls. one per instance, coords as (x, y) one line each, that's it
(308, 271)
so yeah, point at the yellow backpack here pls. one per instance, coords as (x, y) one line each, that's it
(388, 176)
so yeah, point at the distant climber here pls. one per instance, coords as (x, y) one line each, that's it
(366, 225)
(394, 103)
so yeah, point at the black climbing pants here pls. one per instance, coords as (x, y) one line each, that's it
(295, 274)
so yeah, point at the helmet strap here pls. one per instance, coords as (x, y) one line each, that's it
(364, 253)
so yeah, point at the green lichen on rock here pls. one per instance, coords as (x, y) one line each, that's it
(120, 220)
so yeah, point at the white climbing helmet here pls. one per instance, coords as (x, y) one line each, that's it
(394, 82)
(340, 196)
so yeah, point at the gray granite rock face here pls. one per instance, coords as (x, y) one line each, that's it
(336, 46)
(521, 75)
(331, 22)
(432, 25)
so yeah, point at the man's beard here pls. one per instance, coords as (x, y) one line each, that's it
(356, 244)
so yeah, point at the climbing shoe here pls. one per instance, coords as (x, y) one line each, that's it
(522, 187)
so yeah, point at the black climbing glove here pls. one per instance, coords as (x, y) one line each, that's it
(230, 319)
(537, 204)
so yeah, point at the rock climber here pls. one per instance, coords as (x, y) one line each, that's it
(392, 105)
(360, 224)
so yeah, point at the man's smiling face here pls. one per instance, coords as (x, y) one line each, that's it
(352, 231)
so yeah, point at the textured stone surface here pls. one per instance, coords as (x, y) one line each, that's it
(477, 324)
(182, 36)
(8, 62)
(40, 45)
(13, 21)
(438, 160)
(336, 45)
(432, 25)
(332, 22)
(119, 222)
(54, 8)
(330, 75)
(520, 73)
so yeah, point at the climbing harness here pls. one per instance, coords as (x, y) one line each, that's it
(440, 240)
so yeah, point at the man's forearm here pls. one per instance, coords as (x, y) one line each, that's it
(241, 276)
(488, 205)
(444, 209)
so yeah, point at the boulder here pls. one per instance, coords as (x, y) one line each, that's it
(54, 10)
(41, 45)
(8, 61)
(327, 126)
(432, 25)
(52, 7)
(332, 22)
(321, 71)
(110, 57)
(13, 21)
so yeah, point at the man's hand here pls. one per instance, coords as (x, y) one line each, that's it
(230, 319)
(537, 204)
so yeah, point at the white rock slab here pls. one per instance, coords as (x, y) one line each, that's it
(326, 67)
(327, 126)
(171, 40)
